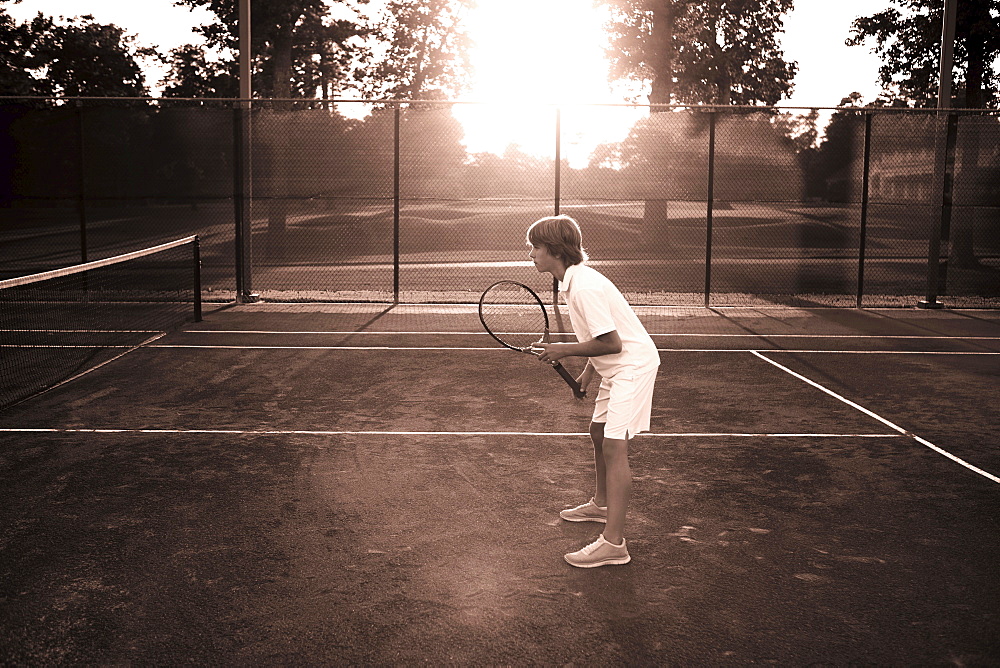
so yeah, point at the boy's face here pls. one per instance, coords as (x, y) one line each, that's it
(544, 260)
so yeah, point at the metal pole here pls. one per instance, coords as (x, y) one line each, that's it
(558, 174)
(936, 272)
(242, 173)
(197, 279)
(81, 198)
(864, 208)
(948, 20)
(242, 196)
(395, 207)
(558, 186)
(710, 208)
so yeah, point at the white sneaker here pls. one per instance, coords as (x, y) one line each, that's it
(588, 512)
(599, 553)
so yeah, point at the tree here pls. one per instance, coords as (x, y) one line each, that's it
(733, 55)
(77, 58)
(193, 75)
(695, 52)
(909, 43)
(426, 50)
(294, 43)
(701, 52)
(15, 41)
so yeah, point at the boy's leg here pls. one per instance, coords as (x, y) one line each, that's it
(600, 477)
(618, 481)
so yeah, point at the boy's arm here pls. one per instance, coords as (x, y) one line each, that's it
(605, 344)
(586, 376)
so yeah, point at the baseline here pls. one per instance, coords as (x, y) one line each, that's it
(322, 432)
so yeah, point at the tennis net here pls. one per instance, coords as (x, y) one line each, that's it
(58, 325)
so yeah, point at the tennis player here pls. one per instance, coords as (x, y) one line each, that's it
(620, 351)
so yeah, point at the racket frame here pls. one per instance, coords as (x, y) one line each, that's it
(578, 392)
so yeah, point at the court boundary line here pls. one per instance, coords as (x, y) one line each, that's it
(488, 348)
(888, 423)
(493, 348)
(676, 335)
(323, 432)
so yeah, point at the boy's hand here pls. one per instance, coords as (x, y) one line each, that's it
(585, 377)
(549, 352)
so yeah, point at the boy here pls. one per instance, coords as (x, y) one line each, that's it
(619, 350)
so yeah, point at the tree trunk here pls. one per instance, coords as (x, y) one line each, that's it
(661, 92)
(962, 251)
(282, 87)
(974, 73)
(662, 59)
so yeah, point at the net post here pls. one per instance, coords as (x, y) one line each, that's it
(196, 245)
(710, 207)
(865, 175)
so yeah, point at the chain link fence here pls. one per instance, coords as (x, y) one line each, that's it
(394, 202)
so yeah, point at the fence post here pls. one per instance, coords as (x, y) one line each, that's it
(866, 171)
(558, 174)
(558, 187)
(710, 207)
(81, 181)
(395, 204)
(936, 276)
(242, 195)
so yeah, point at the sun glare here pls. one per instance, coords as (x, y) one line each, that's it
(530, 55)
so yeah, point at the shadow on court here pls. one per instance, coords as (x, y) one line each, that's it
(297, 485)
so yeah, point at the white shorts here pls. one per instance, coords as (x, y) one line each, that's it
(624, 404)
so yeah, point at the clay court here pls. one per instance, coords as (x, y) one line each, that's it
(378, 484)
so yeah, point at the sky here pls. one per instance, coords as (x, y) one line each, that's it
(558, 56)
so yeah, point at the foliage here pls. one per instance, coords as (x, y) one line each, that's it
(15, 41)
(909, 42)
(297, 49)
(416, 49)
(701, 51)
(79, 57)
(426, 50)
(193, 75)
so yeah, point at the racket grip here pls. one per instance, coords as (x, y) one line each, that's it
(578, 392)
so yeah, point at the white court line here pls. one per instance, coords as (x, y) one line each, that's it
(881, 419)
(679, 335)
(62, 345)
(82, 331)
(494, 348)
(316, 432)
(480, 348)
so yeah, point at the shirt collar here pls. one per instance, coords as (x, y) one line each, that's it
(571, 271)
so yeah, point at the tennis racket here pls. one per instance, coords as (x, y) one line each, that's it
(515, 316)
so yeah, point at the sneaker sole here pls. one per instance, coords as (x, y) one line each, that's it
(602, 520)
(617, 561)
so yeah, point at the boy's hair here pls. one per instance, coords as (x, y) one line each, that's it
(561, 235)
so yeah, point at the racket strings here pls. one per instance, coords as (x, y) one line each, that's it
(513, 314)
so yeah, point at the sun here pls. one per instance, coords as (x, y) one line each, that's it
(528, 57)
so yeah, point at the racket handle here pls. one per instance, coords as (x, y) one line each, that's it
(578, 392)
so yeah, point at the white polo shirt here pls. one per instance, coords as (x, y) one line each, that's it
(597, 307)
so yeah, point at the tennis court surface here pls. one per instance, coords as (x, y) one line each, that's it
(367, 484)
